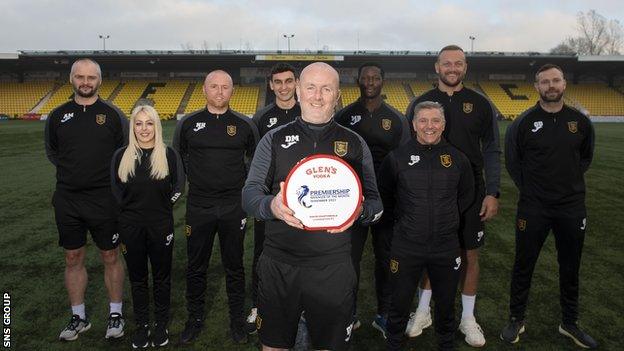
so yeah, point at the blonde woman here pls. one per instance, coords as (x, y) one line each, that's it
(147, 179)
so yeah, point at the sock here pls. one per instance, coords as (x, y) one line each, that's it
(468, 303)
(115, 307)
(425, 298)
(79, 310)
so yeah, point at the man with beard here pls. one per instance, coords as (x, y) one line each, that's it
(285, 109)
(81, 136)
(548, 149)
(215, 144)
(384, 129)
(471, 126)
(304, 270)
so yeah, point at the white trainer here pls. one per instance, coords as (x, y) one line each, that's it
(418, 321)
(474, 334)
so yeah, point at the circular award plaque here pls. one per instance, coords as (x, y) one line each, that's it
(324, 192)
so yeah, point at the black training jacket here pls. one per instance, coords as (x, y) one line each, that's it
(272, 116)
(426, 188)
(546, 155)
(144, 200)
(277, 153)
(213, 150)
(80, 141)
(472, 127)
(383, 129)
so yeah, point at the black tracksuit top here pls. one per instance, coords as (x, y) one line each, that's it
(472, 127)
(272, 116)
(142, 199)
(426, 188)
(383, 129)
(277, 153)
(213, 149)
(546, 155)
(80, 142)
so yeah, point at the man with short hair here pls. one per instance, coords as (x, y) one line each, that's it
(283, 110)
(81, 136)
(471, 126)
(384, 129)
(426, 184)
(215, 144)
(303, 270)
(548, 149)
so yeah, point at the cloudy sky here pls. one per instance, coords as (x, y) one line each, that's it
(520, 25)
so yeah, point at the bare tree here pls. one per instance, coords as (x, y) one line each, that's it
(597, 36)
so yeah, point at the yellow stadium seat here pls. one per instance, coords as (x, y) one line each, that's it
(17, 99)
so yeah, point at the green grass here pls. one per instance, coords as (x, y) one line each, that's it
(32, 264)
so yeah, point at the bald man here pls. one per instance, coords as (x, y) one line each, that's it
(215, 144)
(303, 270)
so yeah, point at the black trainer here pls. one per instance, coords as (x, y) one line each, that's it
(140, 339)
(191, 331)
(161, 335)
(250, 322)
(579, 337)
(239, 335)
(511, 332)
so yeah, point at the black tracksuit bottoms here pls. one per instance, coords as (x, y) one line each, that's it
(406, 269)
(531, 232)
(202, 225)
(140, 244)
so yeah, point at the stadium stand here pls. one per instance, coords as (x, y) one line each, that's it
(65, 93)
(129, 94)
(349, 93)
(17, 99)
(244, 99)
(510, 98)
(168, 97)
(597, 98)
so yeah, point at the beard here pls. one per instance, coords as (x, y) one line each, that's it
(89, 94)
(545, 97)
(460, 78)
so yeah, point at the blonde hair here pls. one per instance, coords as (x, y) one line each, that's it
(159, 167)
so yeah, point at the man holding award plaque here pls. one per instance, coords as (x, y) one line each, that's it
(310, 180)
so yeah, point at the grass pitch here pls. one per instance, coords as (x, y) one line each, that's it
(32, 264)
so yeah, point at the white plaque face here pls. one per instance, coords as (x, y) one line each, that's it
(323, 191)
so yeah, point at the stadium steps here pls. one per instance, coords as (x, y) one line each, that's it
(262, 95)
(45, 98)
(116, 91)
(408, 91)
(186, 98)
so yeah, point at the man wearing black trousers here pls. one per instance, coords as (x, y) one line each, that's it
(285, 109)
(425, 184)
(384, 129)
(548, 149)
(215, 144)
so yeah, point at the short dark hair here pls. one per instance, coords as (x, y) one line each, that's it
(282, 67)
(449, 48)
(546, 67)
(370, 64)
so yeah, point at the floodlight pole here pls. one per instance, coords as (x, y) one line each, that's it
(104, 37)
(472, 39)
(288, 37)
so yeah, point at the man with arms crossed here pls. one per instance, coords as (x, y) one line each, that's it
(81, 136)
(471, 126)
